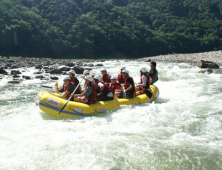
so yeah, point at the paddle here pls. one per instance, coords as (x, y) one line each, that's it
(70, 97)
(46, 86)
(124, 90)
(148, 93)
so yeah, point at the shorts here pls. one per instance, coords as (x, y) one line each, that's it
(83, 100)
(125, 95)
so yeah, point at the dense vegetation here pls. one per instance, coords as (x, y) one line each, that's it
(98, 28)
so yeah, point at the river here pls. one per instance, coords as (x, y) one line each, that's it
(182, 130)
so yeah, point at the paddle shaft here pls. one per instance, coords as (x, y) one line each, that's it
(148, 93)
(69, 98)
(124, 90)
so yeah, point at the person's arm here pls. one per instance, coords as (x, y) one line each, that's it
(87, 92)
(129, 88)
(65, 95)
(57, 88)
(152, 72)
(144, 80)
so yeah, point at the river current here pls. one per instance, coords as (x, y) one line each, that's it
(182, 130)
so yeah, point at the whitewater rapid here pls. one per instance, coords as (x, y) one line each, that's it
(182, 130)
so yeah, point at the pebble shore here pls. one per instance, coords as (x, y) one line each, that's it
(192, 58)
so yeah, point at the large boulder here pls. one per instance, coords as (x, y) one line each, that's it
(14, 81)
(78, 70)
(38, 66)
(64, 69)
(2, 71)
(99, 65)
(15, 72)
(207, 64)
(38, 72)
(56, 71)
(39, 77)
(26, 77)
(70, 64)
(14, 66)
(54, 78)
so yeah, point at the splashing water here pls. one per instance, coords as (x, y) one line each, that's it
(182, 130)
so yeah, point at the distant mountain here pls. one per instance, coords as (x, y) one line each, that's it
(101, 28)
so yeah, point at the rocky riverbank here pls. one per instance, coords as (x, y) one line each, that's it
(193, 58)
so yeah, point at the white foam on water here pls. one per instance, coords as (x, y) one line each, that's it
(181, 131)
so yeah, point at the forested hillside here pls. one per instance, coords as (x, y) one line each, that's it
(99, 28)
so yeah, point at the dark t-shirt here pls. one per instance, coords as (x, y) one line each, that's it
(88, 91)
(76, 81)
(153, 74)
(130, 82)
(70, 89)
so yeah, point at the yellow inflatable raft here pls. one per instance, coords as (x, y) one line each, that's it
(52, 103)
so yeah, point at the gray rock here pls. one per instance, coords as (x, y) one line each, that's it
(2, 71)
(38, 67)
(54, 78)
(40, 77)
(45, 68)
(26, 77)
(38, 72)
(16, 76)
(14, 81)
(90, 65)
(14, 66)
(11, 61)
(207, 64)
(70, 64)
(99, 65)
(15, 72)
(209, 71)
(78, 70)
(56, 71)
(64, 69)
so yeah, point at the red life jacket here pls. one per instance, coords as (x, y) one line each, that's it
(106, 89)
(113, 86)
(148, 80)
(73, 81)
(120, 78)
(132, 91)
(64, 90)
(92, 97)
(105, 78)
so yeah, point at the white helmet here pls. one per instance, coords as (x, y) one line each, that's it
(86, 72)
(66, 78)
(72, 71)
(123, 68)
(89, 78)
(98, 77)
(103, 69)
(93, 74)
(113, 78)
(143, 70)
(125, 71)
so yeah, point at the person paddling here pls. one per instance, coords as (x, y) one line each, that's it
(129, 86)
(89, 95)
(114, 85)
(103, 90)
(67, 88)
(85, 73)
(144, 81)
(120, 78)
(74, 80)
(105, 77)
(153, 72)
